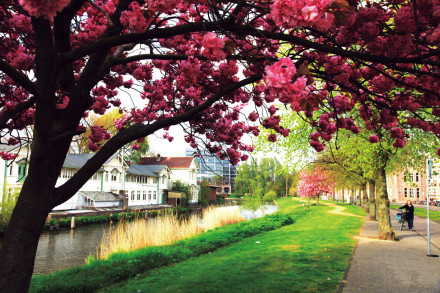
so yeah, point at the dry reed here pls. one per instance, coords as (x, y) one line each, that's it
(163, 230)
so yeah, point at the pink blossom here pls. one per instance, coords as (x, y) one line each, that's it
(280, 73)
(253, 116)
(63, 104)
(93, 147)
(213, 47)
(272, 138)
(373, 138)
(45, 8)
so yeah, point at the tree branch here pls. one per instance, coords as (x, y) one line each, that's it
(8, 114)
(237, 29)
(134, 132)
(20, 78)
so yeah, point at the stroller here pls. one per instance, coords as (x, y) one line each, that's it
(401, 219)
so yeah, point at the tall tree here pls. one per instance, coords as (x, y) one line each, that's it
(197, 61)
(257, 179)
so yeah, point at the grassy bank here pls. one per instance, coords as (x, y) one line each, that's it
(121, 266)
(433, 215)
(165, 230)
(309, 256)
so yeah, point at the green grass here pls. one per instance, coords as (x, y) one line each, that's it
(121, 266)
(309, 256)
(433, 215)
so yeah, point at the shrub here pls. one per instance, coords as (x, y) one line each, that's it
(270, 196)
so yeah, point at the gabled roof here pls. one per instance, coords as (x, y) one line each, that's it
(101, 196)
(171, 162)
(146, 170)
(76, 161)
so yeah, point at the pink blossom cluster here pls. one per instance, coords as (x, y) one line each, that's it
(290, 14)
(283, 82)
(7, 156)
(43, 8)
(213, 47)
(96, 135)
(134, 18)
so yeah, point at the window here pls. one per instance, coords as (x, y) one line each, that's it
(417, 177)
(132, 195)
(21, 172)
(114, 176)
(96, 176)
(411, 192)
(406, 192)
(418, 192)
(138, 195)
(154, 194)
(144, 195)
(411, 177)
(155, 180)
(149, 195)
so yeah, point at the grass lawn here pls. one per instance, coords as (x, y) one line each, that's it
(309, 256)
(433, 215)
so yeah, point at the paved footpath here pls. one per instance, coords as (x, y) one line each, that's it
(395, 266)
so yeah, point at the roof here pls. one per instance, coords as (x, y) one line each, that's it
(171, 162)
(101, 196)
(76, 161)
(147, 170)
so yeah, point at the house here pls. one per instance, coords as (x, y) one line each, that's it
(182, 168)
(13, 173)
(98, 199)
(141, 185)
(146, 184)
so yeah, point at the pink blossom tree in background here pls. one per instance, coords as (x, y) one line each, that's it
(314, 183)
(198, 64)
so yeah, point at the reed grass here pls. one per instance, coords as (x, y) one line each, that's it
(163, 230)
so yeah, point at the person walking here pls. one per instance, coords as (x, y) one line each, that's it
(409, 208)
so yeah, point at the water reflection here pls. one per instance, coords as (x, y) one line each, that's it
(70, 247)
(67, 248)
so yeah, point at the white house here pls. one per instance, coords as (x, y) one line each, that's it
(143, 184)
(13, 173)
(146, 185)
(184, 169)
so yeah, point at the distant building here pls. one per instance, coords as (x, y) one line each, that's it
(211, 165)
(183, 169)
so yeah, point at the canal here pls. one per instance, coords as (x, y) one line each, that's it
(71, 247)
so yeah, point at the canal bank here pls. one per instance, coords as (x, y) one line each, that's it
(121, 266)
(61, 247)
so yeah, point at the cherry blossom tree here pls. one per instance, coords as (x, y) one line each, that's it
(199, 63)
(314, 183)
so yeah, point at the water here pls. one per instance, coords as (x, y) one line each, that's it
(70, 247)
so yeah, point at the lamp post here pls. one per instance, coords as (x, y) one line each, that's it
(428, 179)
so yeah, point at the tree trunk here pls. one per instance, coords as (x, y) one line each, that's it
(372, 200)
(365, 204)
(352, 195)
(17, 254)
(317, 200)
(383, 211)
(343, 194)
